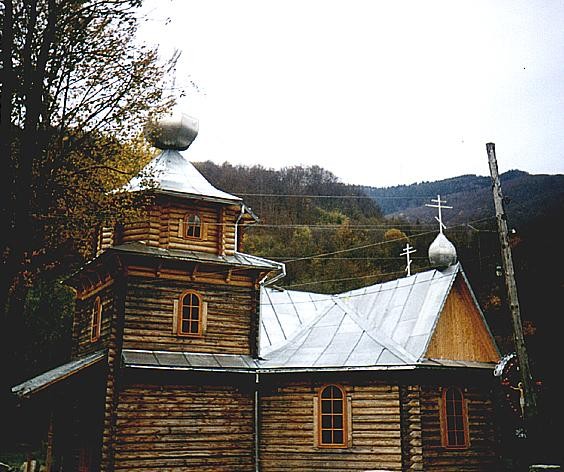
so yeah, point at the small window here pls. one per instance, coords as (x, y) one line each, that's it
(331, 417)
(454, 419)
(190, 315)
(96, 321)
(193, 226)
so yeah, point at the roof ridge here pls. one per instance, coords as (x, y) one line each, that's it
(385, 341)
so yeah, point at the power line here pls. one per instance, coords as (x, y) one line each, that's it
(305, 195)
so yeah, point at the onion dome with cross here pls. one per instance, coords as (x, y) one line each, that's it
(442, 252)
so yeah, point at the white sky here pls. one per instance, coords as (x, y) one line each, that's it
(379, 92)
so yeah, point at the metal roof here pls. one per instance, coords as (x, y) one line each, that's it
(34, 385)
(238, 259)
(405, 310)
(170, 172)
(169, 360)
(284, 312)
(387, 324)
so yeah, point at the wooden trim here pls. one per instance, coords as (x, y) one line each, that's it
(179, 331)
(175, 305)
(444, 423)
(96, 320)
(187, 226)
(93, 291)
(344, 415)
(204, 317)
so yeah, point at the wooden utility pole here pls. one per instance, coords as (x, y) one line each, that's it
(531, 408)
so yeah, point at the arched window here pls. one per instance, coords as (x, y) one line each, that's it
(454, 419)
(193, 226)
(190, 314)
(331, 417)
(96, 320)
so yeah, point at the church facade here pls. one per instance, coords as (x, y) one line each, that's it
(186, 357)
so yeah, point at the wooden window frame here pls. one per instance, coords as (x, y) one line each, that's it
(344, 414)
(444, 420)
(180, 317)
(96, 320)
(188, 226)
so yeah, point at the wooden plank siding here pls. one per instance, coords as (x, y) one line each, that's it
(184, 427)
(461, 332)
(288, 429)
(480, 455)
(149, 309)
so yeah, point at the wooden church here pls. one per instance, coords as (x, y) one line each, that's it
(185, 358)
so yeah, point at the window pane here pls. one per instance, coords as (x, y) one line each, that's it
(337, 406)
(338, 421)
(326, 421)
(326, 437)
(450, 422)
(326, 406)
(185, 326)
(337, 437)
(195, 312)
(336, 393)
(459, 423)
(194, 327)
(451, 438)
(458, 408)
(460, 438)
(326, 392)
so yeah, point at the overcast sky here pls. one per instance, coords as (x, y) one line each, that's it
(378, 92)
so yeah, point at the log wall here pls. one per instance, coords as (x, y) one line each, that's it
(82, 322)
(149, 311)
(481, 454)
(412, 445)
(164, 226)
(288, 429)
(184, 428)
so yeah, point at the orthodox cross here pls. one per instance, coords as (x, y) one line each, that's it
(406, 252)
(440, 206)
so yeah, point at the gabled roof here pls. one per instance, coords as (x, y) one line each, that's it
(405, 310)
(170, 172)
(388, 324)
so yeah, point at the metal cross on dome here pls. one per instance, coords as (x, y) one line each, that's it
(406, 252)
(440, 206)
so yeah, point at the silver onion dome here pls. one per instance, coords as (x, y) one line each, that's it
(442, 252)
(175, 131)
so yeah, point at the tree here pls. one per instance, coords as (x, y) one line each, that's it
(75, 89)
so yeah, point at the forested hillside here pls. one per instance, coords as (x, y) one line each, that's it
(527, 196)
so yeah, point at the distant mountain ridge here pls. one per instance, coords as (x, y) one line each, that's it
(527, 196)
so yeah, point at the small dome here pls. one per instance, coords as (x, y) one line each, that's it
(442, 252)
(175, 131)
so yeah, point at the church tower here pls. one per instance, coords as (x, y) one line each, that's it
(167, 294)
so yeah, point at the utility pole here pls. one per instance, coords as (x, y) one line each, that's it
(531, 408)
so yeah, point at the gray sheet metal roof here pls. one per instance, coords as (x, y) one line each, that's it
(335, 338)
(284, 312)
(388, 324)
(238, 259)
(172, 173)
(405, 310)
(169, 360)
(40, 382)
